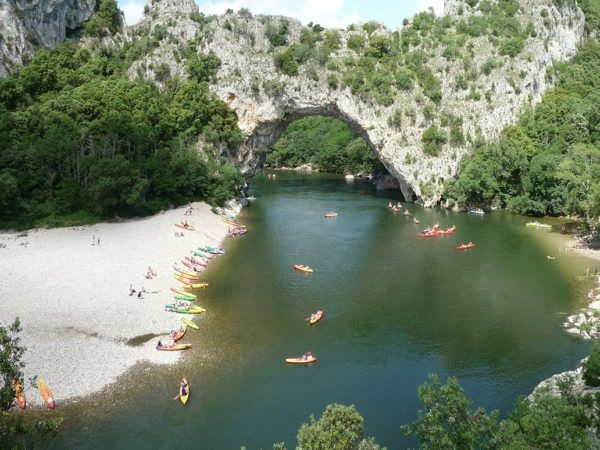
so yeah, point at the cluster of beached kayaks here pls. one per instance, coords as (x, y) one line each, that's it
(43, 389)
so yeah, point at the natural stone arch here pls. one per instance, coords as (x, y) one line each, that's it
(251, 157)
(266, 99)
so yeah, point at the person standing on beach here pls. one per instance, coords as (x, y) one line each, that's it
(93, 239)
(98, 241)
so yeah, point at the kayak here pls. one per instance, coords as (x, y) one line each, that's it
(173, 347)
(450, 230)
(477, 212)
(192, 309)
(201, 254)
(235, 223)
(184, 398)
(19, 395)
(303, 268)
(180, 292)
(197, 262)
(185, 273)
(314, 318)
(181, 225)
(184, 297)
(46, 393)
(465, 246)
(193, 266)
(330, 215)
(431, 234)
(179, 334)
(189, 323)
(309, 360)
(185, 280)
(195, 286)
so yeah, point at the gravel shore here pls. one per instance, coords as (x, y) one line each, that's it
(73, 297)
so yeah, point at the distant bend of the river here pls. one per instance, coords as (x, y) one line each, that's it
(397, 308)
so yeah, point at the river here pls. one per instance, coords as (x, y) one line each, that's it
(397, 308)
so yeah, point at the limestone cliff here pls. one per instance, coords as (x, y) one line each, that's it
(25, 25)
(266, 100)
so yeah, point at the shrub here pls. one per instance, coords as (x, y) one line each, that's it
(433, 138)
(591, 373)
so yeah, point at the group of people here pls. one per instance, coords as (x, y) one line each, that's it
(271, 176)
(397, 208)
(150, 273)
(189, 210)
(94, 241)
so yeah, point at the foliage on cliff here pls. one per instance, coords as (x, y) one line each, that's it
(549, 162)
(327, 144)
(81, 140)
(106, 21)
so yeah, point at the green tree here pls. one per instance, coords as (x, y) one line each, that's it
(107, 20)
(591, 373)
(11, 364)
(433, 138)
(580, 171)
(447, 421)
(339, 428)
(201, 67)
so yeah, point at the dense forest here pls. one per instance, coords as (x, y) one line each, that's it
(80, 141)
(325, 143)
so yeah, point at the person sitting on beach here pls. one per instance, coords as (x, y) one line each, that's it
(140, 295)
(159, 345)
(131, 290)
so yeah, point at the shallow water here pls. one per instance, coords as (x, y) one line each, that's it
(397, 309)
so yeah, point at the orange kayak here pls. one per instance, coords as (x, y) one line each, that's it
(309, 360)
(465, 246)
(179, 334)
(46, 393)
(303, 268)
(19, 395)
(173, 347)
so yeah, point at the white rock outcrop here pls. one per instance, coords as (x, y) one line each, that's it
(266, 101)
(26, 25)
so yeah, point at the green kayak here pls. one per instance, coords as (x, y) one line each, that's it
(193, 309)
(189, 323)
(184, 297)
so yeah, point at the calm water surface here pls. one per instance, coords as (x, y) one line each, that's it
(397, 309)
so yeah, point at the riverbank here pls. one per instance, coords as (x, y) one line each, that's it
(70, 288)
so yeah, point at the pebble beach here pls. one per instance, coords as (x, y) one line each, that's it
(71, 294)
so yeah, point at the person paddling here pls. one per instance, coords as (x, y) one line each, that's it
(184, 385)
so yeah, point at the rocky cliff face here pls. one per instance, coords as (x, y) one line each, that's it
(266, 100)
(26, 24)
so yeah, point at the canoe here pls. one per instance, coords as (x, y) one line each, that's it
(184, 297)
(195, 286)
(189, 323)
(477, 212)
(308, 360)
(317, 316)
(181, 225)
(19, 395)
(173, 347)
(184, 398)
(46, 393)
(180, 292)
(450, 230)
(330, 215)
(303, 268)
(179, 334)
(465, 246)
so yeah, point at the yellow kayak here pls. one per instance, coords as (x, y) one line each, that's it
(195, 286)
(182, 292)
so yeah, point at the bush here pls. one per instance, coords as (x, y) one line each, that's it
(433, 139)
(591, 374)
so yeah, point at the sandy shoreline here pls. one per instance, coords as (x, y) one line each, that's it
(72, 296)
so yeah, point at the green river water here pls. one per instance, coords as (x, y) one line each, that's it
(397, 308)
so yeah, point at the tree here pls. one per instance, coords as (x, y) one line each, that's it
(580, 170)
(339, 428)
(447, 422)
(433, 139)
(11, 366)
(591, 373)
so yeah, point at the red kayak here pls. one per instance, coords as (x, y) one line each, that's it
(195, 261)
(465, 246)
(450, 230)
(431, 234)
